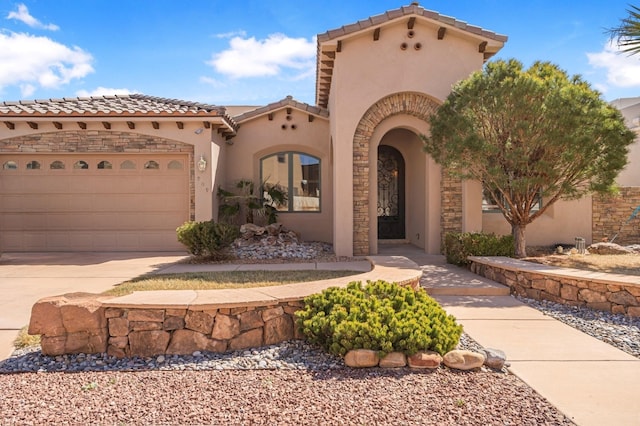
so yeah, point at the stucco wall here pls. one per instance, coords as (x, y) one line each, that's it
(360, 79)
(260, 137)
(562, 223)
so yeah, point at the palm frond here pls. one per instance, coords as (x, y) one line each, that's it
(627, 34)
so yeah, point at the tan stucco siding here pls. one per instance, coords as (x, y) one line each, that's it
(564, 221)
(286, 132)
(360, 79)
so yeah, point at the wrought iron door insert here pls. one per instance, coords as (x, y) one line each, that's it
(390, 194)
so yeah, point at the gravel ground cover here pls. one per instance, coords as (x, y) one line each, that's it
(286, 384)
(282, 397)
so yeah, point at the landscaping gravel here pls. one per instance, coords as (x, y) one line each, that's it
(288, 384)
(274, 397)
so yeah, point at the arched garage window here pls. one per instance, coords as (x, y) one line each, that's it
(10, 165)
(298, 174)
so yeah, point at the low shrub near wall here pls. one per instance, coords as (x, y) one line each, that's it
(380, 316)
(616, 297)
(459, 246)
(207, 239)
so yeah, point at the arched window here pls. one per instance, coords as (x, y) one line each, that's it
(298, 174)
(57, 165)
(10, 165)
(80, 164)
(33, 165)
(127, 165)
(105, 165)
(175, 165)
(151, 165)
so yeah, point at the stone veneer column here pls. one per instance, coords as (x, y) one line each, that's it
(408, 103)
(451, 196)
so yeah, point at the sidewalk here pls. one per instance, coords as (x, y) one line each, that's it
(591, 382)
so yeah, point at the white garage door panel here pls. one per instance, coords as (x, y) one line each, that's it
(92, 209)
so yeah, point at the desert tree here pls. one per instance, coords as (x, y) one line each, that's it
(531, 137)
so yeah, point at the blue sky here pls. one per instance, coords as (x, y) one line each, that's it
(256, 52)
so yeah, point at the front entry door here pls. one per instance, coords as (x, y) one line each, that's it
(390, 194)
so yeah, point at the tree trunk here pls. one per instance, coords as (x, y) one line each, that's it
(520, 244)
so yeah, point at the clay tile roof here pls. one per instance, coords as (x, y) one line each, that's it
(136, 104)
(413, 9)
(283, 103)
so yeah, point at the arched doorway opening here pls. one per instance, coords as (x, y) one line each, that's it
(391, 194)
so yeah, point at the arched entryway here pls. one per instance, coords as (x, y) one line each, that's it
(406, 110)
(391, 194)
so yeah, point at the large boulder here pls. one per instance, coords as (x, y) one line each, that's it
(463, 359)
(425, 359)
(359, 358)
(608, 248)
(393, 360)
(495, 358)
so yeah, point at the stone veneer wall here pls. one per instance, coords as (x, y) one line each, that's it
(147, 332)
(87, 323)
(408, 103)
(81, 323)
(96, 141)
(451, 199)
(616, 297)
(610, 214)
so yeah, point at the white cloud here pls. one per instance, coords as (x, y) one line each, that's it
(622, 70)
(105, 91)
(31, 61)
(239, 33)
(22, 14)
(248, 57)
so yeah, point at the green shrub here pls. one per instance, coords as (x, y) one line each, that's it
(380, 316)
(458, 246)
(207, 239)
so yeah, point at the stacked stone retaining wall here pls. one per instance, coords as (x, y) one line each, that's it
(550, 283)
(156, 322)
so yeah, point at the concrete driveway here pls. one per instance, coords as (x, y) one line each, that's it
(27, 277)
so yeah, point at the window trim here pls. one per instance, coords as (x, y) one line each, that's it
(289, 158)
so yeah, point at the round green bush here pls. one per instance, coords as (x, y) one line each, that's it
(207, 239)
(380, 316)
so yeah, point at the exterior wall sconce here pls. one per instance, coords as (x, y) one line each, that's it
(202, 164)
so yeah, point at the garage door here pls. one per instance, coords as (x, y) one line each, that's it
(71, 202)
